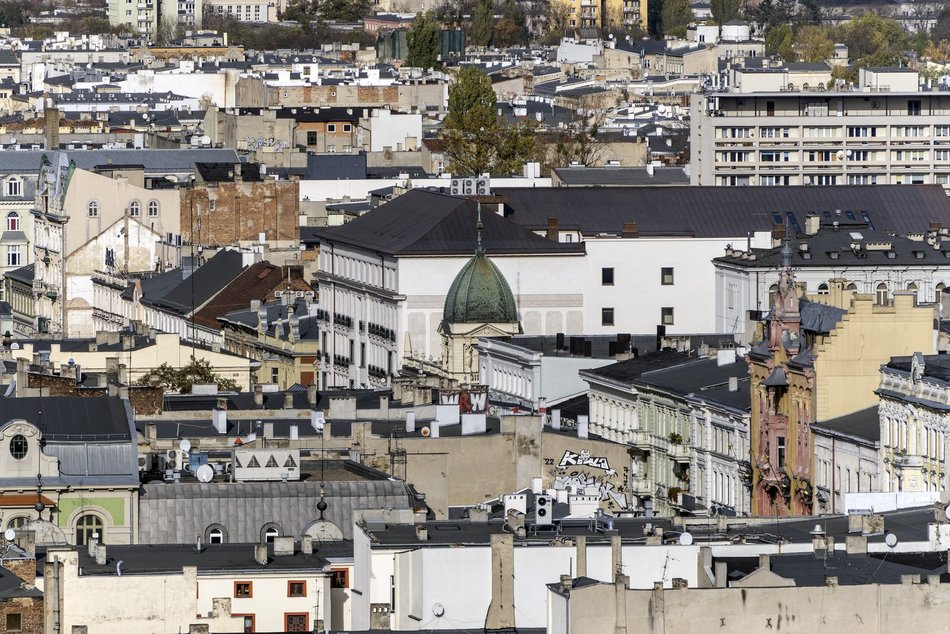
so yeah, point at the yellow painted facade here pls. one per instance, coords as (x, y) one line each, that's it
(607, 14)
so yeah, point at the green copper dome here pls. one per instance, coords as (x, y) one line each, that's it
(480, 294)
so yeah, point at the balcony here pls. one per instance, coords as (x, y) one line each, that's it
(905, 461)
(641, 439)
(680, 452)
(642, 486)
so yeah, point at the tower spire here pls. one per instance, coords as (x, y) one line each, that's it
(479, 248)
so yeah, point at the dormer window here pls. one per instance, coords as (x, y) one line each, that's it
(19, 447)
(13, 188)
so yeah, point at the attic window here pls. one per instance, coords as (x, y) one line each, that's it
(833, 255)
(919, 255)
(890, 255)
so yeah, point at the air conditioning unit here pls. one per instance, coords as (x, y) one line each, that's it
(145, 462)
(172, 460)
(543, 510)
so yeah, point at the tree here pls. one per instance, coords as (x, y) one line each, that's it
(724, 10)
(675, 17)
(812, 44)
(476, 139)
(779, 40)
(941, 30)
(483, 23)
(423, 41)
(556, 21)
(872, 40)
(344, 10)
(506, 33)
(584, 143)
(181, 379)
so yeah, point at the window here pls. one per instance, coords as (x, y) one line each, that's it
(93, 209)
(331, 127)
(135, 208)
(773, 179)
(216, 536)
(938, 291)
(942, 130)
(666, 276)
(13, 221)
(779, 452)
(274, 375)
(881, 295)
(913, 288)
(270, 534)
(339, 578)
(666, 314)
(14, 623)
(913, 107)
(774, 133)
(347, 127)
(295, 622)
(822, 289)
(13, 255)
(18, 447)
(311, 138)
(14, 187)
(87, 527)
(152, 208)
(774, 156)
(247, 621)
(296, 588)
(606, 316)
(18, 522)
(243, 589)
(362, 355)
(607, 276)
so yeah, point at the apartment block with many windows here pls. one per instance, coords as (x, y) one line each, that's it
(886, 132)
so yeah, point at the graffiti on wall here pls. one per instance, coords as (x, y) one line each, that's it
(258, 143)
(584, 474)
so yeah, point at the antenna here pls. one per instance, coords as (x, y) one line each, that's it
(479, 249)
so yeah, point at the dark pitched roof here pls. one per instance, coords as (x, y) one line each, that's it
(722, 211)
(255, 282)
(70, 417)
(863, 423)
(819, 317)
(632, 369)
(422, 222)
(208, 281)
(620, 176)
(704, 379)
(23, 274)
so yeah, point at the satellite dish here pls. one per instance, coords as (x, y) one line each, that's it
(185, 445)
(205, 473)
(686, 539)
(14, 346)
(946, 512)
(890, 539)
(425, 432)
(10, 534)
(840, 154)
(438, 609)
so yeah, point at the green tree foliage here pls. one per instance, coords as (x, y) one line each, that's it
(344, 10)
(483, 23)
(724, 10)
(779, 40)
(516, 20)
(872, 40)
(584, 143)
(13, 14)
(423, 41)
(675, 17)
(772, 13)
(476, 139)
(556, 21)
(812, 43)
(181, 379)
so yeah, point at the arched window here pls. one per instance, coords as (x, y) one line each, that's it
(135, 208)
(881, 295)
(14, 187)
(938, 291)
(87, 527)
(851, 287)
(773, 289)
(913, 287)
(822, 289)
(13, 221)
(269, 532)
(18, 522)
(93, 209)
(152, 208)
(215, 534)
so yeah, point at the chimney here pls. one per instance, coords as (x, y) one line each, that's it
(312, 395)
(91, 545)
(258, 396)
(288, 401)
(566, 582)
(306, 545)
(553, 233)
(580, 545)
(733, 384)
(812, 224)
(101, 554)
(219, 418)
(582, 424)
(261, 319)
(422, 533)
(630, 230)
(283, 545)
(222, 402)
(294, 327)
(260, 554)
(764, 562)
(721, 574)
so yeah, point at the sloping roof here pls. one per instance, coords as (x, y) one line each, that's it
(819, 317)
(422, 222)
(243, 508)
(863, 423)
(70, 417)
(620, 176)
(631, 369)
(255, 282)
(722, 211)
(154, 160)
(704, 379)
(202, 285)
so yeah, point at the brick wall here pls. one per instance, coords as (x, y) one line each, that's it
(241, 211)
(25, 569)
(30, 610)
(146, 401)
